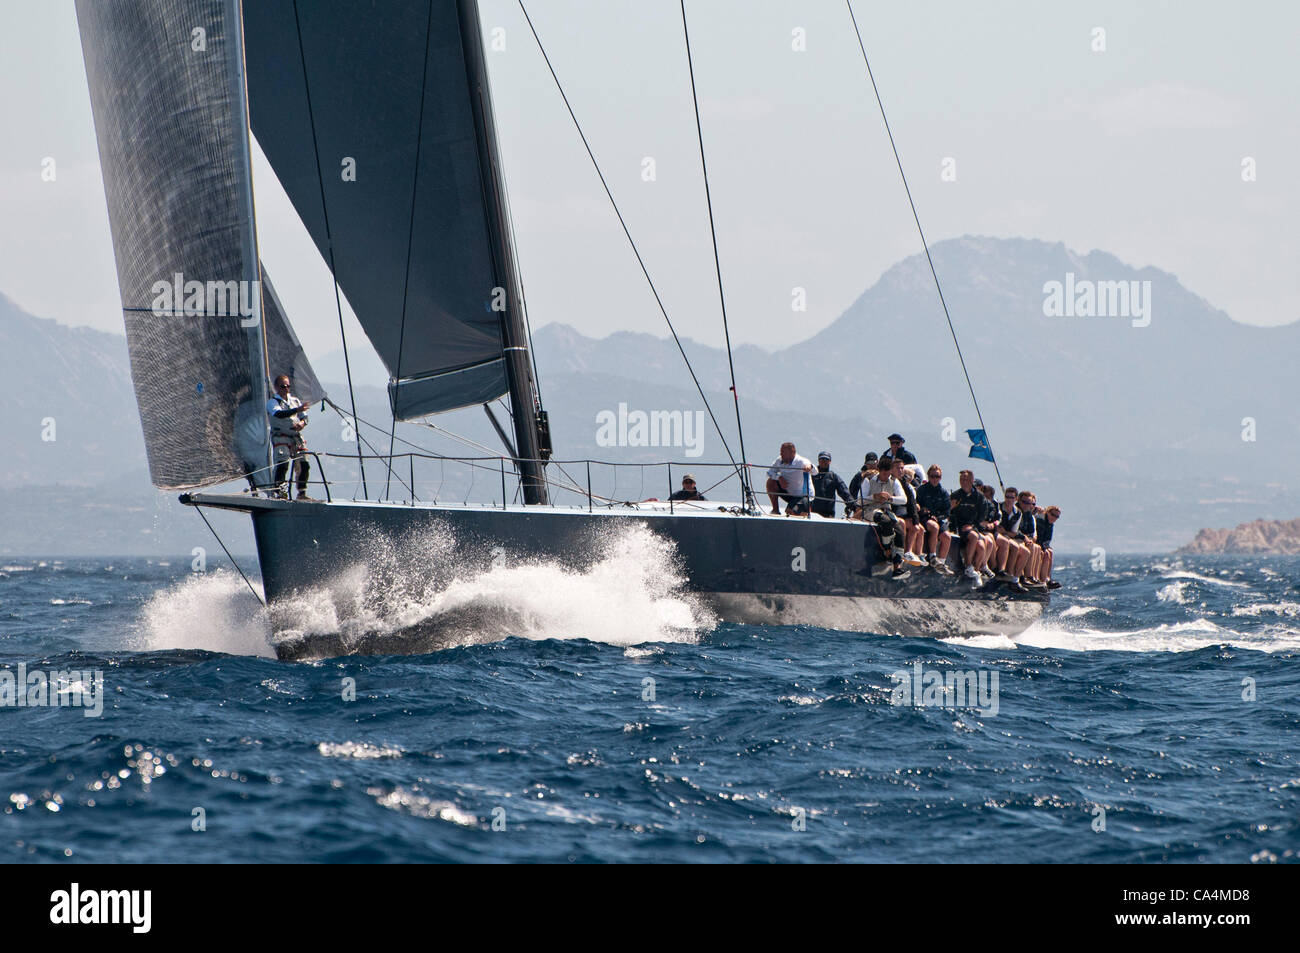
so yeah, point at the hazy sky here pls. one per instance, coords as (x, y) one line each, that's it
(1136, 150)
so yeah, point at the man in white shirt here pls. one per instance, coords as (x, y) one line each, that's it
(789, 479)
(881, 492)
(879, 496)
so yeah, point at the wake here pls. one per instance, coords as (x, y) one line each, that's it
(1199, 633)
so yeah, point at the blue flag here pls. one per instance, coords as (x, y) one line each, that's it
(979, 445)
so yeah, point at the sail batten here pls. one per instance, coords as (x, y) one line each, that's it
(365, 113)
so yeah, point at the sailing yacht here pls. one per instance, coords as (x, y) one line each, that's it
(378, 121)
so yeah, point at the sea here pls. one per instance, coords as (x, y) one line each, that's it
(1151, 715)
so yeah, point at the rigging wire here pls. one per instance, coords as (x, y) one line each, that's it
(353, 422)
(375, 426)
(389, 461)
(745, 489)
(921, 232)
(465, 440)
(320, 178)
(572, 486)
(257, 595)
(410, 232)
(425, 450)
(635, 250)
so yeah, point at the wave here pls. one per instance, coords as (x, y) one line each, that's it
(1176, 637)
(1075, 611)
(630, 593)
(982, 641)
(1187, 574)
(1290, 610)
(1175, 592)
(211, 610)
(357, 749)
(416, 804)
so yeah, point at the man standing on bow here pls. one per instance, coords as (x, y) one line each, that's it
(288, 418)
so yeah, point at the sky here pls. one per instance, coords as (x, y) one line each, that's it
(1136, 149)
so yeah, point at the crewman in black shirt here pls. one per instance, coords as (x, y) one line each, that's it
(688, 492)
(827, 484)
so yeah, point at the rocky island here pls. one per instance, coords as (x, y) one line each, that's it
(1281, 537)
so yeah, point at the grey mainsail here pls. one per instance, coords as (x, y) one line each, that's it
(367, 115)
(167, 93)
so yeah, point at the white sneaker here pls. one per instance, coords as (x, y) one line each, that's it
(972, 573)
(913, 560)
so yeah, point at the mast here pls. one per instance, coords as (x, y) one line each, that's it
(532, 442)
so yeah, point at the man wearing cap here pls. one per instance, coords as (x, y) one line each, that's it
(789, 479)
(688, 491)
(827, 484)
(897, 451)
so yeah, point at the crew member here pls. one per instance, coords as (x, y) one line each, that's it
(1045, 523)
(288, 418)
(967, 511)
(868, 471)
(789, 479)
(934, 504)
(827, 484)
(897, 452)
(688, 491)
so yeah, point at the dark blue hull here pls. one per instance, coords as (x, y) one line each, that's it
(757, 570)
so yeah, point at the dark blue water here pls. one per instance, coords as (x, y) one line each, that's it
(1125, 706)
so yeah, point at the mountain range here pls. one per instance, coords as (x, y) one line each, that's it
(1142, 434)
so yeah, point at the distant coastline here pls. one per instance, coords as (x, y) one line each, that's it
(1280, 537)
